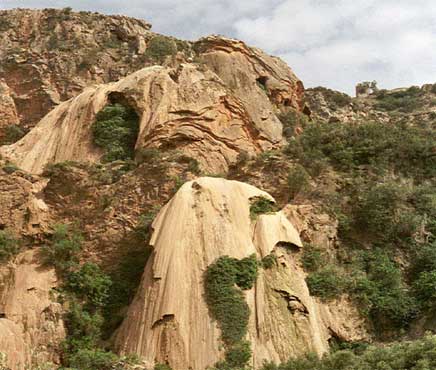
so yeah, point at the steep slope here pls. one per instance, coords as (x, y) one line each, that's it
(169, 321)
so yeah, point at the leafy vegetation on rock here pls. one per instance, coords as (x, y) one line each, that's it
(8, 245)
(159, 47)
(115, 129)
(227, 305)
(414, 355)
(261, 205)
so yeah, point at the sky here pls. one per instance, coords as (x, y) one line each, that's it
(331, 43)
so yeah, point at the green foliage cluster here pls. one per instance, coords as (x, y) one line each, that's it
(406, 150)
(414, 355)
(227, 305)
(261, 205)
(404, 101)
(298, 180)
(159, 47)
(381, 291)
(115, 129)
(11, 134)
(10, 168)
(326, 283)
(193, 164)
(313, 258)
(291, 120)
(86, 288)
(269, 261)
(62, 251)
(335, 98)
(9, 245)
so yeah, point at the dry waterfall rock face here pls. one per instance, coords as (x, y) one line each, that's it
(184, 108)
(31, 322)
(169, 322)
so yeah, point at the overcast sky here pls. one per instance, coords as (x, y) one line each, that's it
(332, 43)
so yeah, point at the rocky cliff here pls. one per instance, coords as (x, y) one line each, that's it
(102, 258)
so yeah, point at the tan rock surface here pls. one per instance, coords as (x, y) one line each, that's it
(187, 109)
(8, 112)
(23, 209)
(168, 320)
(30, 312)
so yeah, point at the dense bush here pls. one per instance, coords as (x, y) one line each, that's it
(291, 120)
(404, 101)
(8, 245)
(92, 359)
(326, 283)
(62, 251)
(89, 283)
(12, 133)
(415, 355)
(403, 149)
(159, 47)
(227, 305)
(115, 129)
(298, 180)
(382, 293)
(261, 205)
(313, 258)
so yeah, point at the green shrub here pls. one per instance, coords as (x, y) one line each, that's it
(382, 293)
(92, 359)
(425, 287)
(115, 129)
(413, 355)
(298, 180)
(159, 47)
(246, 273)
(148, 155)
(291, 120)
(12, 133)
(83, 329)
(10, 168)
(89, 283)
(403, 149)
(227, 305)
(326, 283)
(193, 164)
(261, 205)
(269, 261)
(313, 258)
(63, 249)
(8, 245)
(238, 355)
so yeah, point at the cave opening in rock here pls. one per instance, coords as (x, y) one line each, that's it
(261, 82)
(116, 129)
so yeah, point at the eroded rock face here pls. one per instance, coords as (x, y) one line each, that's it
(169, 321)
(8, 112)
(185, 108)
(31, 319)
(23, 209)
(50, 55)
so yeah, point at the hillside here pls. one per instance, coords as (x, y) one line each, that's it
(189, 205)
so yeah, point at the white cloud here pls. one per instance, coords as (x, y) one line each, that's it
(335, 43)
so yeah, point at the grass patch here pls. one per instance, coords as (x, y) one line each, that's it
(9, 246)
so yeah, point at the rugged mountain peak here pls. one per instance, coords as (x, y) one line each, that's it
(169, 321)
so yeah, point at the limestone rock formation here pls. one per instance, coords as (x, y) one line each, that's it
(185, 108)
(23, 208)
(30, 320)
(50, 55)
(8, 112)
(169, 322)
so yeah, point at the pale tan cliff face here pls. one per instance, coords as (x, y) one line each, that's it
(183, 108)
(31, 319)
(8, 111)
(168, 321)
